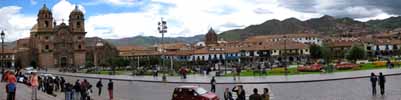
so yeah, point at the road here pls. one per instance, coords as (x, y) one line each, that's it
(352, 89)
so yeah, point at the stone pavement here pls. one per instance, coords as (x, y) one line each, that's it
(24, 93)
(201, 79)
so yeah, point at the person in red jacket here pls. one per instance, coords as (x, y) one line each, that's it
(11, 86)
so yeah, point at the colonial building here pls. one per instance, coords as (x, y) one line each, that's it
(211, 37)
(56, 45)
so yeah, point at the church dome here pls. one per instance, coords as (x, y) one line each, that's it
(44, 10)
(76, 11)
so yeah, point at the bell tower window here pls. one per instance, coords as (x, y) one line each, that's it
(78, 24)
(46, 24)
(47, 47)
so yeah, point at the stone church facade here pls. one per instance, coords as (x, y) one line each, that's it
(60, 45)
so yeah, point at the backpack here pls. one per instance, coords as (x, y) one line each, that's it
(11, 87)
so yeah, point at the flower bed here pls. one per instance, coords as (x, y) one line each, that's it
(310, 68)
(380, 63)
(346, 66)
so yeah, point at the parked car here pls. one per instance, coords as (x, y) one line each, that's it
(193, 93)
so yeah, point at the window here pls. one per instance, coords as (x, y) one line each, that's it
(46, 24)
(79, 37)
(78, 24)
(47, 47)
(79, 46)
(46, 37)
(369, 48)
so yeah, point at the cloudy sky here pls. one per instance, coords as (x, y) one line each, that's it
(126, 18)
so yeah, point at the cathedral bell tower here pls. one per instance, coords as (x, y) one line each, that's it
(45, 20)
(76, 21)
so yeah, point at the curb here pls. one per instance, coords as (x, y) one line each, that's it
(266, 82)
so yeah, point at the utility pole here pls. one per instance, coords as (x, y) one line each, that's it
(162, 28)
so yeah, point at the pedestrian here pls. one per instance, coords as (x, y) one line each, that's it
(228, 95)
(373, 80)
(213, 85)
(84, 89)
(240, 92)
(11, 90)
(234, 72)
(2, 75)
(255, 95)
(265, 95)
(89, 92)
(68, 91)
(62, 83)
(34, 86)
(51, 87)
(110, 89)
(57, 83)
(77, 90)
(99, 85)
(382, 81)
(238, 72)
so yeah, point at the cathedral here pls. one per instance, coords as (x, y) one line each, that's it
(58, 45)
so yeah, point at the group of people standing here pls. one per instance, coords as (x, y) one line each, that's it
(82, 90)
(374, 79)
(239, 90)
(49, 84)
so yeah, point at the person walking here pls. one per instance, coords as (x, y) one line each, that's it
(57, 83)
(99, 86)
(373, 80)
(11, 90)
(62, 84)
(265, 95)
(110, 89)
(228, 95)
(240, 92)
(213, 85)
(382, 81)
(255, 95)
(34, 86)
(238, 69)
(11, 86)
(77, 90)
(68, 91)
(84, 89)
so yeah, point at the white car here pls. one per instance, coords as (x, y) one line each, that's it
(48, 75)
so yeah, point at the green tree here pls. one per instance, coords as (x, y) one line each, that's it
(326, 54)
(355, 53)
(316, 52)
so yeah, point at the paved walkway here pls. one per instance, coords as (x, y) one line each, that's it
(200, 79)
(24, 93)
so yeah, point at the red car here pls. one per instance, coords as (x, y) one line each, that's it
(193, 93)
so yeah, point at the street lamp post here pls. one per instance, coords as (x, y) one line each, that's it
(162, 28)
(2, 34)
(285, 55)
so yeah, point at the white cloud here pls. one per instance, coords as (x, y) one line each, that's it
(33, 2)
(62, 10)
(119, 25)
(114, 2)
(188, 17)
(15, 24)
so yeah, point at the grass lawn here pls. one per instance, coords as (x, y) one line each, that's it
(105, 72)
(294, 71)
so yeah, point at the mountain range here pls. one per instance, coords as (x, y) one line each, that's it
(327, 25)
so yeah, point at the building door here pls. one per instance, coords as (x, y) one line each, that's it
(63, 62)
